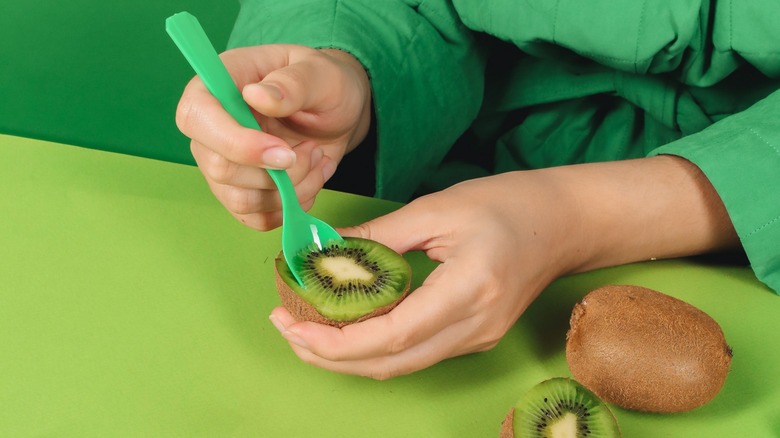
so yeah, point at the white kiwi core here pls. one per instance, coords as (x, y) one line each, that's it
(565, 427)
(344, 268)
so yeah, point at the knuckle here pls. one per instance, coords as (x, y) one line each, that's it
(307, 204)
(491, 290)
(235, 147)
(292, 77)
(308, 359)
(240, 201)
(487, 346)
(363, 230)
(218, 168)
(186, 115)
(260, 221)
(267, 222)
(400, 343)
(492, 337)
(381, 374)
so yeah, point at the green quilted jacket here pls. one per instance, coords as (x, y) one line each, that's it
(533, 83)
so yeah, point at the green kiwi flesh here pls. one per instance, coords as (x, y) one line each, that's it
(346, 281)
(562, 408)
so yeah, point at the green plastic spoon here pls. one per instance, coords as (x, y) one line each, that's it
(299, 229)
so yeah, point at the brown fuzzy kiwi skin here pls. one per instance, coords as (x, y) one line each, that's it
(643, 350)
(507, 431)
(303, 311)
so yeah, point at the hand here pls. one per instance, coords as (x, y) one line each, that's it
(313, 106)
(501, 240)
(496, 255)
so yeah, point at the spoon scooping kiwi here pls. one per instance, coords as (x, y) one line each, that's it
(344, 282)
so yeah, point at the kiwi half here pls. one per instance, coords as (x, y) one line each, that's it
(559, 408)
(344, 282)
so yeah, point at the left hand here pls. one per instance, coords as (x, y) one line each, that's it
(501, 240)
(496, 256)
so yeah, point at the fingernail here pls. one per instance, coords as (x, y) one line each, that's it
(279, 157)
(328, 170)
(272, 91)
(295, 339)
(275, 321)
(316, 157)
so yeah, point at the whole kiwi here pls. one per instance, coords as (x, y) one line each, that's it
(343, 282)
(644, 350)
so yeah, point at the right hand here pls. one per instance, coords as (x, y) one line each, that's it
(313, 106)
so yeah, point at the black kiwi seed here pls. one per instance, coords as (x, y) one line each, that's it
(560, 403)
(371, 281)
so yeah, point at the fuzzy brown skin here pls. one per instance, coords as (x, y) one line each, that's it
(303, 311)
(507, 431)
(646, 351)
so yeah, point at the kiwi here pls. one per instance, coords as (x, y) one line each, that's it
(344, 282)
(559, 408)
(643, 350)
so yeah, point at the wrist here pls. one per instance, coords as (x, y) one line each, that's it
(541, 207)
(643, 209)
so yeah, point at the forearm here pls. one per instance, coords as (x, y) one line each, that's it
(627, 211)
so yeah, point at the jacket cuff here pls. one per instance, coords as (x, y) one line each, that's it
(740, 155)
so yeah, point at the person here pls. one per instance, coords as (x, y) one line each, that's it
(531, 139)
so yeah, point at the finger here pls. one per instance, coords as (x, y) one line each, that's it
(469, 334)
(421, 224)
(218, 169)
(243, 201)
(445, 344)
(260, 221)
(422, 315)
(262, 209)
(247, 190)
(307, 85)
(252, 63)
(201, 117)
(308, 189)
(448, 343)
(281, 318)
(308, 157)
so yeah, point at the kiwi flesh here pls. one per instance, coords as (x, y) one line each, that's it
(343, 282)
(559, 408)
(644, 350)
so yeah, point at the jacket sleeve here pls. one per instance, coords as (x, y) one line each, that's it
(740, 155)
(426, 78)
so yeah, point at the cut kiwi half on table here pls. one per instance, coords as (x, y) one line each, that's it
(559, 408)
(344, 282)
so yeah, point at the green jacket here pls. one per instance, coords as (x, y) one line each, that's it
(541, 83)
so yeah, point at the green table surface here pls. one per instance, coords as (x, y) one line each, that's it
(133, 304)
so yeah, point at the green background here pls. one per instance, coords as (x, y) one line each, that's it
(100, 73)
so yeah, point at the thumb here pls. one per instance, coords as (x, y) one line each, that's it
(310, 84)
(406, 229)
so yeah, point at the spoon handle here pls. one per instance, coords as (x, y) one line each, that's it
(185, 30)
